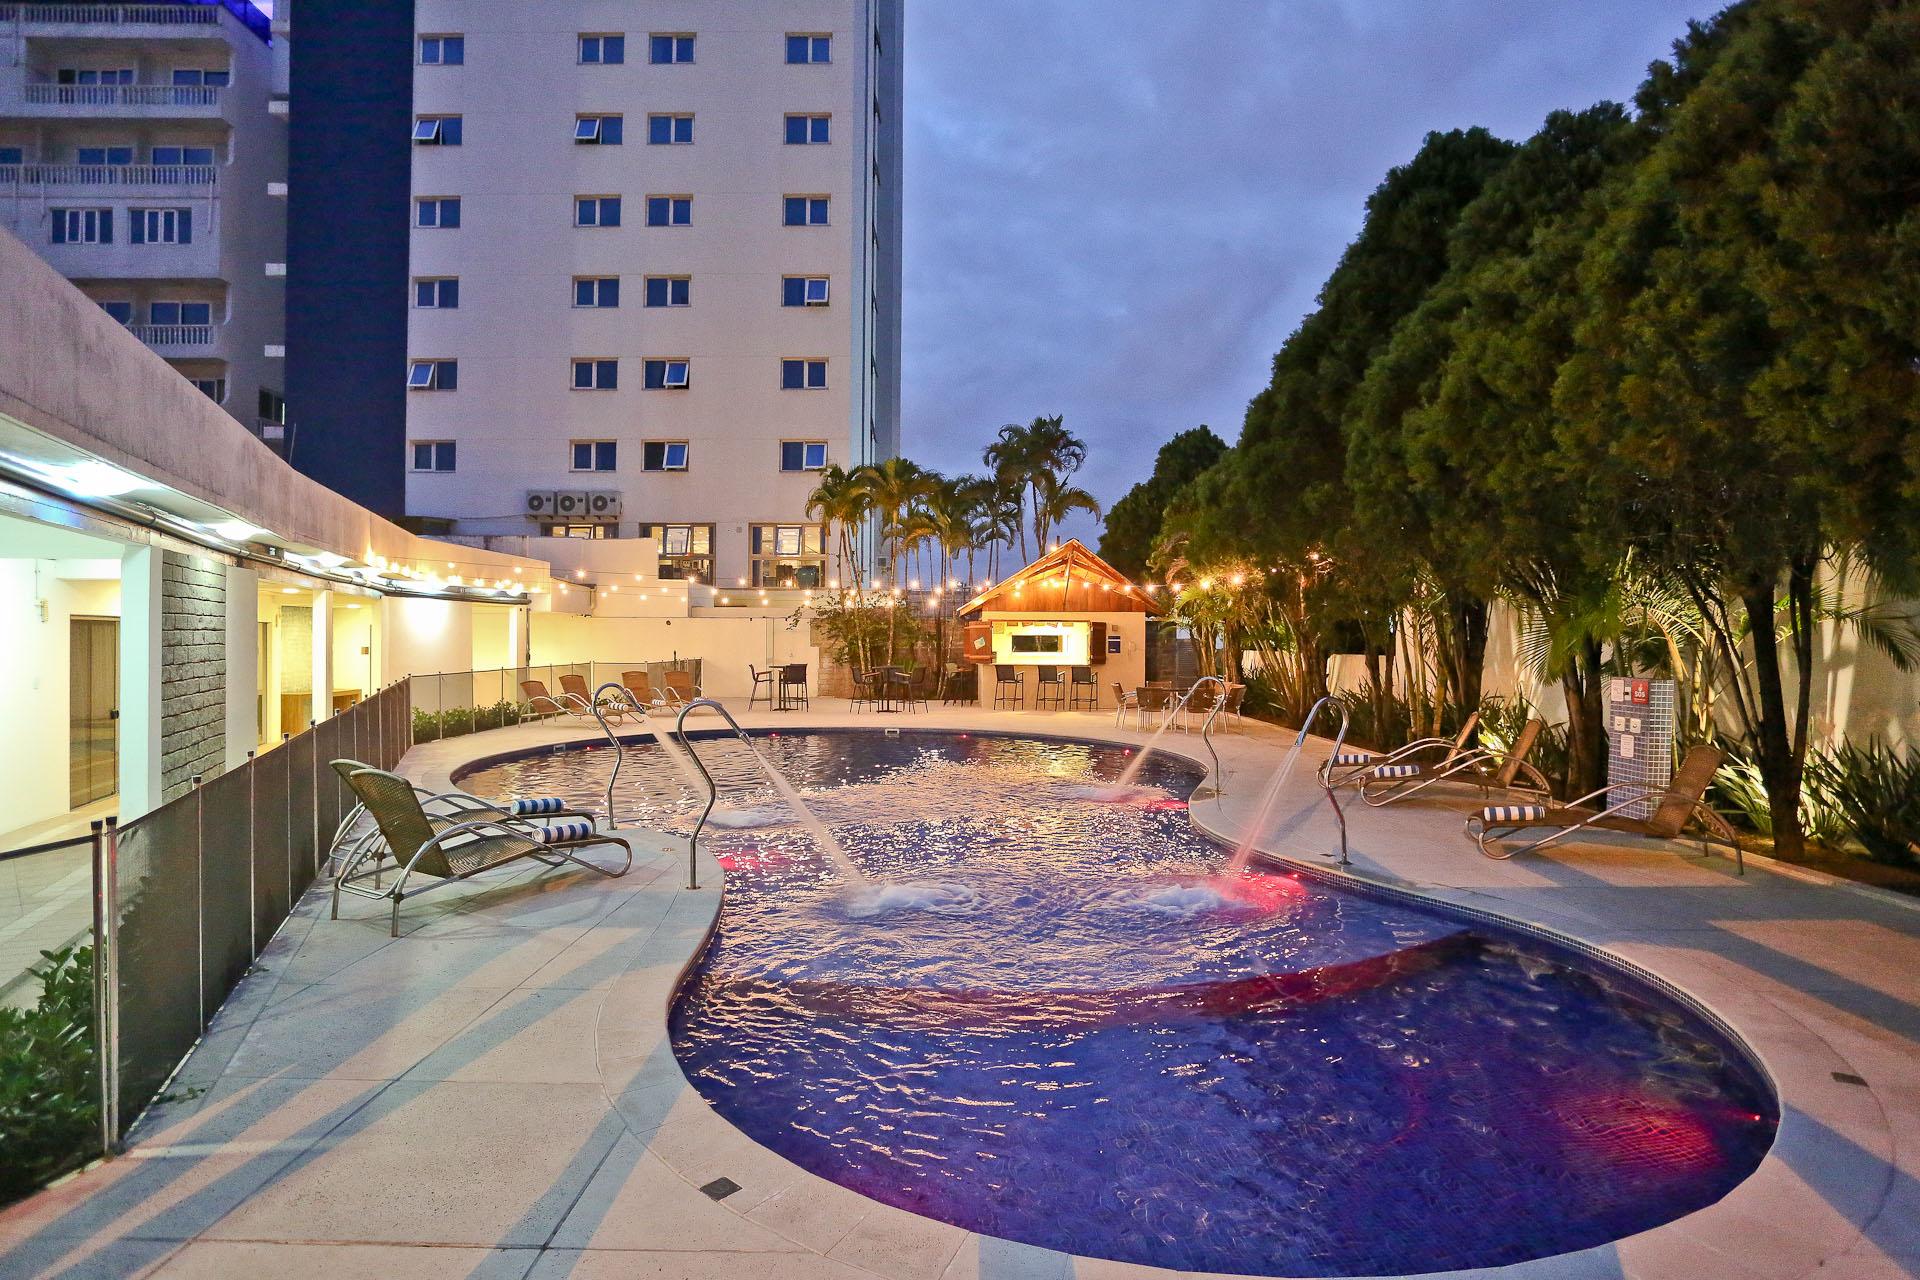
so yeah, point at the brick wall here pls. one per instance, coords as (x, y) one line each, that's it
(193, 670)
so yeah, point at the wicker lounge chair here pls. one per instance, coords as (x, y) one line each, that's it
(540, 704)
(641, 693)
(1349, 768)
(1484, 768)
(612, 707)
(350, 845)
(456, 850)
(680, 687)
(1682, 803)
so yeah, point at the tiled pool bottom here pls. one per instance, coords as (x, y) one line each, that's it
(1084, 1056)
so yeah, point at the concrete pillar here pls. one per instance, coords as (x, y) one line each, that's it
(322, 655)
(243, 664)
(140, 747)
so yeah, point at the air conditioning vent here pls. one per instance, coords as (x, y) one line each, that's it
(603, 504)
(568, 504)
(540, 503)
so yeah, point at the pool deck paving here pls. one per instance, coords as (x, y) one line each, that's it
(493, 1094)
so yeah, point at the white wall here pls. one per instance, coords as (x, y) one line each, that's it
(243, 661)
(34, 703)
(140, 789)
(726, 645)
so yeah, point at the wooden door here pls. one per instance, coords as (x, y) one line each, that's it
(93, 710)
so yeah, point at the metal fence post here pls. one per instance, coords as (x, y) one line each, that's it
(253, 873)
(106, 952)
(200, 895)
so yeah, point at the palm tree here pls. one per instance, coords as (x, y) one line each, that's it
(952, 513)
(841, 502)
(1053, 501)
(892, 490)
(1027, 459)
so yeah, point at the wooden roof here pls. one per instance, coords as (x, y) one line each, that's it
(1069, 579)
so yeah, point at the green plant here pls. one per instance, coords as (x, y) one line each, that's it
(1740, 789)
(49, 1077)
(1501, 720)
(1876, 794)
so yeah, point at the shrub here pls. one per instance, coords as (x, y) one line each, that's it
(49, 1077)
(1876, 794)
(1740, 790)
(1501, 720)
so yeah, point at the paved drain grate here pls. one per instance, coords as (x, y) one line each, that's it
(1847, 1077)
(720, 1188)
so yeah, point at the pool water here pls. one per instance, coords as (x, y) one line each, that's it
(1047, 1020)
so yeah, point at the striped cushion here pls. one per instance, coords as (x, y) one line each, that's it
(560, 832)
(537, 804)
(1511, 814)
(1352, 757)
(1396, 771)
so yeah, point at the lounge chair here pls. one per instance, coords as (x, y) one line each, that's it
(612, 707)
(641, 694)
(1081, 688)
(1683, 801)
(452, 851)
(1484, 767)
(1049, 688)
(680, 687)
(1353, 767)
(539, 703)
(440, 806)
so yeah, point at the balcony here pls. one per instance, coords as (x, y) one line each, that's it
(175, 339)
(117, 179)
(114, 19)
(123, 101)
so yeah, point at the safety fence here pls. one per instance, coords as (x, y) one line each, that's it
(453, 703)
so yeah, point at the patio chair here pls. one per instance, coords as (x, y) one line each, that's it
(615, 709)
(1683, 802)
(1123, 702)
(680, 687)
(762, 687)
(914, 687)
(1081, 688)
(866, 690)
(960, 685)
(1155, 698)
(1353, 767)
(1049, 688)
(439, 805)
(540, 704)
(1009, 687)
(793, 686)
(456, 851)
(1485, 768)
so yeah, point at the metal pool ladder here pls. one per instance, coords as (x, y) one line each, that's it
(1339, 741)
(713, 790)
(619, 748)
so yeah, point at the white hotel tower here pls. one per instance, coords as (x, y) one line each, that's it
(655, 271)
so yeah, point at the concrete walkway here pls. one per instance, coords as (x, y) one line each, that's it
(493, 1095)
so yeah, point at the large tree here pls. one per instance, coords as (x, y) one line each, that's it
(1133, 523)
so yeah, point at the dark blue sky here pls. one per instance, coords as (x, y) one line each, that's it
(1118, 209)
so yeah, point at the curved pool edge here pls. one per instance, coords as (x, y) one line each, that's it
(1785, 1219)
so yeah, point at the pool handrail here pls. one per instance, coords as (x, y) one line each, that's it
(713, 790)
(1206, 728)
(619, 751)
(1339, 741)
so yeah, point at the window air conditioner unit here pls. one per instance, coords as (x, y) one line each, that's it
(603, 505)
(540, 504)
(569, 505)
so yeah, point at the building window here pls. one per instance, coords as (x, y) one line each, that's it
(665, 375)
(199, 77)
(669, 211)
(93, 75)
(437, 211)
(171, 156)
(272, 406)
(214, 389)
(686, 550)
(663, 455)
(599, 131)
(593, 455)
(443, 51)
(577, 530)
(82, 226)
(441, 294)
(803, 291)
(103, 155)
(596, 291)
(808, 130)
(160, 226)
(806, 211)
(668, 291)
(433, 455)
(603, 50)
(803, 375)
(12, 155)
(121, 311)
(437, 131)
(433, 375)
(180, 313)
(596, 375)
(803, 455)
(669, 49)
(669, 130)
(804, 50)
(787, 555)
(596, 211)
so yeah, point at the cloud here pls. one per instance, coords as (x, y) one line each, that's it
(1118, 209)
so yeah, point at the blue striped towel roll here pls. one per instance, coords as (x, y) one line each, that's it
(1396, 771)
(1352, 757)
(559, 832)
(537, 804)
(1511, 814)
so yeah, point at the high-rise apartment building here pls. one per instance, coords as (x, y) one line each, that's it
(655, 271)
(143, 154)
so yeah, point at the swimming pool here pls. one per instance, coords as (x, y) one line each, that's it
(1057, 1026)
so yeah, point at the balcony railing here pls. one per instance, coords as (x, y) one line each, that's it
(123, 95)
(116, 14)
(110, 175)
(173, 335)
